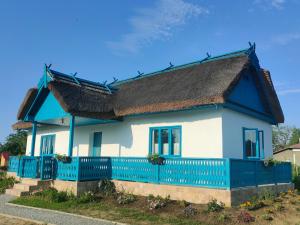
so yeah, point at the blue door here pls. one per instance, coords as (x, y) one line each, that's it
(47, 145)
(97, 141)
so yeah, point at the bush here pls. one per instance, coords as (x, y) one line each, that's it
(6, 182)
(157, 202)
(296, 181)
(215, 206)
(52, 195)
(189, 211)
(125, 198)
(86, 197)
(245, 217)
(107, 187)
(267, 195)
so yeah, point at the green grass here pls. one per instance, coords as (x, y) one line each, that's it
(105, 210)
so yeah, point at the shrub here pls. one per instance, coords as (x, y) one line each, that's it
(189, 211)
(296, 181)
(52, 195)
(107, 187)
(6, 182)
(86, 197)
(215, 206)
(157, 202)
(245, 217)
(267, 217)
(267, 195)
(125, 198)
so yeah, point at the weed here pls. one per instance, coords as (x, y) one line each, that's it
(6, 182)
(245, 217)
(223, 217)
(125, 198)
(52, 195)
(279, 207)
(86, 197)
(257, 204)
(184, 203)
(157, 202)
(215, 206)
(189, 211)
(267, 217)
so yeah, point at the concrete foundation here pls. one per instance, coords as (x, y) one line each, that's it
(198, 195)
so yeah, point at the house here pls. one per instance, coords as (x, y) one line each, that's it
(209, 120)
(289, 154)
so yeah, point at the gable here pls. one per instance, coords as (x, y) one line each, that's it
(247, 94)
(50, 109)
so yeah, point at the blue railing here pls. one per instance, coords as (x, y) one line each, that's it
(212, 173)
(13, 163)
(29, 167)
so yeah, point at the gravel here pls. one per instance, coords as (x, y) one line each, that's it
(47, 216)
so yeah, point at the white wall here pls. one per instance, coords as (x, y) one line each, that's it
(233, 123)
(213, 133)
(201, 135)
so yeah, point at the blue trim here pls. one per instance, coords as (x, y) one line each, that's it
(33, 137)
(259, 151)
(160, 146)
(71, 135)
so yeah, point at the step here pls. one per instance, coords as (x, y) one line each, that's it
(16, 192)
(30, 181)
(25, 187)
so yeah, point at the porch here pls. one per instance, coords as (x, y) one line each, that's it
(207, 173)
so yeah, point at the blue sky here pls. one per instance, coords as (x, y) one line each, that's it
(104, 39)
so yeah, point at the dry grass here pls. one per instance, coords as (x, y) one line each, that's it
(5, 220)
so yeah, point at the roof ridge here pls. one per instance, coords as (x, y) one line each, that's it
(169, 69)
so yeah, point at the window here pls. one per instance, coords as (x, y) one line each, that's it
(165, 141)
(253, 143)
(47, 144)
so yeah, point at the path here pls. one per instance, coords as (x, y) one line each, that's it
(47, 216)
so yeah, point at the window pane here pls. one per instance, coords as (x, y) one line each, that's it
(250, 143)
(165, 141)
(175, 144)
(261, 143)
(155, 141)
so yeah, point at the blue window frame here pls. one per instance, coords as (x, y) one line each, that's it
(47, 144)
(165, 141)
(253, 143)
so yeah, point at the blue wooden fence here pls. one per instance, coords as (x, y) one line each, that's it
(13, 163)
(213, 173)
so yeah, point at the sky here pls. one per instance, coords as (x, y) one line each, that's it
(116, 38)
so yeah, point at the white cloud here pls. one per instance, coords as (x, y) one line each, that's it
(284, 39)
(289, 91)
(156, 23)
(267, 4)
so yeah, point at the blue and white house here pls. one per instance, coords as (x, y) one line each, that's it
(210, 120)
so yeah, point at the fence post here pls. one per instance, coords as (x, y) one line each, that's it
(157, 173)
(228, 173)
(78, 168)
(255, 174)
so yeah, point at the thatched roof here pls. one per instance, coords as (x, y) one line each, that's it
(200, 83)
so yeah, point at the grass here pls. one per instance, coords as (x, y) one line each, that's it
(138, 212)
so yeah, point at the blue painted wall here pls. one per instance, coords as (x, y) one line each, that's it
(50, 109)
(245, 93)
